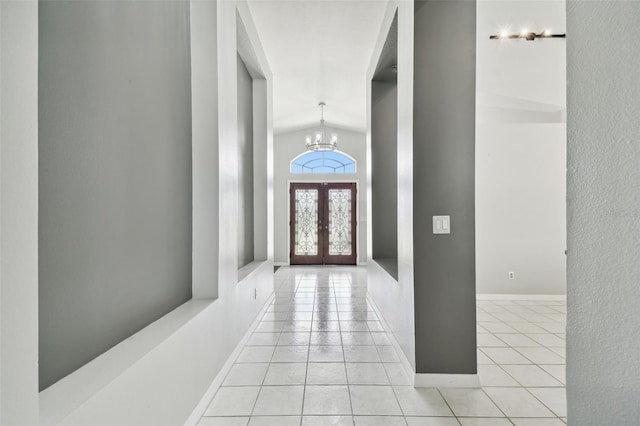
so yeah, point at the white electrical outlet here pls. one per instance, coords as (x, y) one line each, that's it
(512, 275)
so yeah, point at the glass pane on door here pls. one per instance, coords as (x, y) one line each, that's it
(306, 222)
(340, 215)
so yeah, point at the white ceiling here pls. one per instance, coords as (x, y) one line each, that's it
(318, 50)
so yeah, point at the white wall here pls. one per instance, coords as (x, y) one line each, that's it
(520, 150)
(204, 148)
(288, 146)
(603, 337)
(19, 212)
(395, 298)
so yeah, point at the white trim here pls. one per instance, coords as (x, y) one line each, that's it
(395, 280)
(422, 380)
(446, 381)
(242, 8)
(61, 399)
(249, 268)
(403, 358)
(19, 212)
(201, 407)
(561, 297)
(387, 21)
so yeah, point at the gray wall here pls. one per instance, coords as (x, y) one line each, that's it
(443, 149)
(384, 174)
(262, 161)
(245, 165)
(603, 176)
(115, 174)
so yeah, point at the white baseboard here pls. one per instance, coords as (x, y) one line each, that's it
(422, 380)
(559, 297)
(403, 358)
(200, 409)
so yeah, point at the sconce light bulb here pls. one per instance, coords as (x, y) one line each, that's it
(547, 32)
(504, 34)
(524, 32)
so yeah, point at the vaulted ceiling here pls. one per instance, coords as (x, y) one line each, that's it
(318, 50)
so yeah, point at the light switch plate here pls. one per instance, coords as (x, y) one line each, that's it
(441, 224)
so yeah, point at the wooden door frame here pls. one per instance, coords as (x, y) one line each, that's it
(353, 257)
(355, 213)
(305, 260)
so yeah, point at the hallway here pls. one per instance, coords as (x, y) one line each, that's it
(320, 356)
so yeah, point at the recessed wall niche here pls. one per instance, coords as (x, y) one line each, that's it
(115, 175)
(252, 154)
(245, 166)
(384, 155)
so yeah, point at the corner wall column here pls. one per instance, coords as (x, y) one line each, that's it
(204, 116)
(19, 212)
(444, 184)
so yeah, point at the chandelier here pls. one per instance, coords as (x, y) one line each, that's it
(320, 141)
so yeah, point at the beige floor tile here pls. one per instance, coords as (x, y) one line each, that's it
(374, 400)
(279, 401)
(421, 401)
(517, 402)
(470, 403)
(326, 400)
(326, 373)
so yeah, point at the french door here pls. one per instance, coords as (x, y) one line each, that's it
(322, 223)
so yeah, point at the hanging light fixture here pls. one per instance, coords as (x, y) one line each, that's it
(525, 35)
(321, 141)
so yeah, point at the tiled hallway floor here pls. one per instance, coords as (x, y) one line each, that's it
(320, 356)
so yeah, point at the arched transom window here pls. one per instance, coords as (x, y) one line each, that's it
(323, 162)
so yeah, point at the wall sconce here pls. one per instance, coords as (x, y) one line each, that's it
(525, 35)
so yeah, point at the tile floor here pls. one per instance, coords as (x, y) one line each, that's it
(320, 356)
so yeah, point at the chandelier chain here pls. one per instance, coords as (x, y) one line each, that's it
(321, 142)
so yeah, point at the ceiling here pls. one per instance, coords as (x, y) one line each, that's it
(318, 50)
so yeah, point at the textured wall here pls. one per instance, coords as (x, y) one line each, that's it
(443, 184)
(115, 174)
(603, 105)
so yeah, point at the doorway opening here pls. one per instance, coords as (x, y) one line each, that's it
(322, 223)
